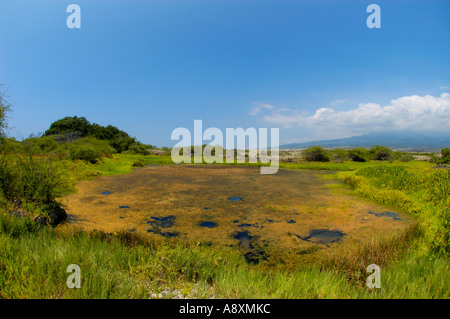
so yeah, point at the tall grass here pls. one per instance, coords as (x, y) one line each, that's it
(33, 264)
(423, 193)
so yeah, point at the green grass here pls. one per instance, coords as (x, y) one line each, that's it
(33, 264)
(123, 163)
(424, 193)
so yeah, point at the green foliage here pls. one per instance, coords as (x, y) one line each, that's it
(138, 163)
(33, 183)
(138, 148)
(358, 154)
(422, 193)
(445, 152)
(70, 124)
(339, 155)
(405, 157)
(316, 154)
(89, 149)
(445, 157)
(69, 129)
(5, 107)
(86, 153)
(381, 153)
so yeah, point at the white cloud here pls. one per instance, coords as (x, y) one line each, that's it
(444, 87)
(426, 113)
(259, 106)
(336, 102)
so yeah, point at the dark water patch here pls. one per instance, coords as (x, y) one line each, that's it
(163, 222)
(323, 236)
(106, 193)
(208, 224)
(270, 220)
(205, 208)
(164, 234)
(121, 217)
(235, 221)
(124, 207)
(235, 198)
(244, 239)
(291, 221)
(253, 255)
(392, 215)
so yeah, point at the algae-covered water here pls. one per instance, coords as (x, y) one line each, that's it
(291, 213)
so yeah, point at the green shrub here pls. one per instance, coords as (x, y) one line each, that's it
(358, 154)
(381, 153)
(138, 163)
(89, 149)
(138, 148)
(316, 154)
(33, 183)
(406, 158)
(339, 155)
(445, 156)
(85, 153)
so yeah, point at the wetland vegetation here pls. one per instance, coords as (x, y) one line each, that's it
(140, 226)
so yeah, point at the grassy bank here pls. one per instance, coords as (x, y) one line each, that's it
(423, 192)
(33, 264)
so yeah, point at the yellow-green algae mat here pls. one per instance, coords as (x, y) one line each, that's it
(292, 213)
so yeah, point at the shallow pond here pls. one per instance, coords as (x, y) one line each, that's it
(286, 214)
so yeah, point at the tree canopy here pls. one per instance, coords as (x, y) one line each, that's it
(70, 128)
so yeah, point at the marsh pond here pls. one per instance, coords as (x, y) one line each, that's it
(297, 213)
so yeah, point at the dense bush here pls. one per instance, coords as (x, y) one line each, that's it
(32, 184)
(445, 157)
(339, 155)
(381, 153)
(70, 129)
(85, 153)
(138, 149)
(358, 154)
(138, 163)
(316, 154)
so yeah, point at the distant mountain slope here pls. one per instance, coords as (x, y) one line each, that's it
(413, 141)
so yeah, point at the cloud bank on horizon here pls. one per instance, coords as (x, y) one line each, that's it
(415, 113)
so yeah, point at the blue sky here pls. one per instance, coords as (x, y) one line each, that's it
(312, 68)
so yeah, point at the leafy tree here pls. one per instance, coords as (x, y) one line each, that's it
(70, 129)
(69, 124)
